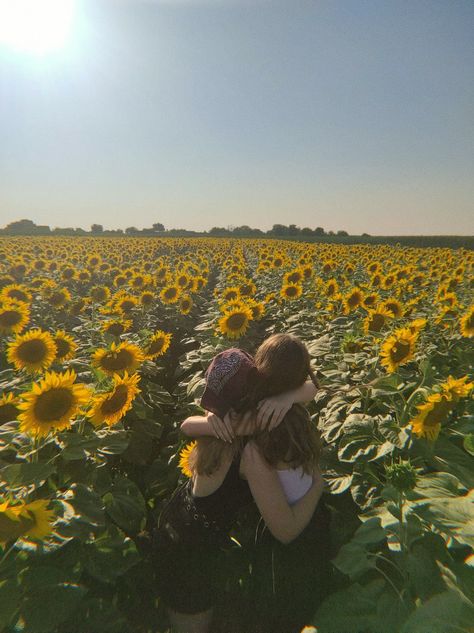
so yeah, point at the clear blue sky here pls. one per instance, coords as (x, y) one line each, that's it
(346, 114)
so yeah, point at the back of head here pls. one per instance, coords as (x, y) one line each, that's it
(295, 441)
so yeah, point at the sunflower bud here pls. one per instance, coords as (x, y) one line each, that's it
(402, 476)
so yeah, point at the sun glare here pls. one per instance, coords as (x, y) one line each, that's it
(35, 26)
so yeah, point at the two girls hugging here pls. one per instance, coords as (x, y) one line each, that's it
(256, 443)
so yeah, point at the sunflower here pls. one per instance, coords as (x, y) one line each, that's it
(331, 288)
(185, 304)
(119, 358)
(147, 298)
(8, 409)
(17, 292)
(100, 293)
(394, 306)
(258, 310)
(116, 327)
(158, 345)
(41, 517)
(13, 317)
(33, 351)
(430, 415)
(466, 323)
(66, 345)
(376, 319)
(417, 325)
(352, 300)
(184, 458)
(230, 294)
(398, 349)
(293, 277)
(170, 294)
(59, 297)
(125, 303)
(110, 407)
(291, 291)
(52, 403)
(235, 322)
(247, 288)
(370, 300)
(457, 387)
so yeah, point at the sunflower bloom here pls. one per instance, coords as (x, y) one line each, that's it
(8, 409)
(457, 387)
(33, 351)
(291, 291)
(184, 458)
(52, 403)
(431, 413)
(353, 300)
(170, 294)
(235, 322)
(65, 344)
(13, 317)
(158, 345)
(110, 407)
(398, 349)
(119, 358)
(376, 319)
(466, 323)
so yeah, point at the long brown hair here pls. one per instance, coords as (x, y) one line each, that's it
(283, 364)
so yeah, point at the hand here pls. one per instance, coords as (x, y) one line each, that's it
(271, 411)
(222, 429)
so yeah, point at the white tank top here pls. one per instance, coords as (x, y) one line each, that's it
(295, 482)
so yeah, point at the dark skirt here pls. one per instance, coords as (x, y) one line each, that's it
(289, 582)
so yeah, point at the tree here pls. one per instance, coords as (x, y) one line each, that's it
(218, 231)
(342, 233)
(319, 231)
(97, 228)
(157, 226)
(278, 229)
(130, 230)
(307, 231)
(294, 230)
(20, 227)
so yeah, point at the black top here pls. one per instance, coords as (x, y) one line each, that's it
(187, 518)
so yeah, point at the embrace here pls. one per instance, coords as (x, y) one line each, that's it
(256, 444)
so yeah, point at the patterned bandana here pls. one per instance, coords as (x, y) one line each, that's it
(227, 379)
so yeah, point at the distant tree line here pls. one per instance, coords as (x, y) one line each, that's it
(280, 231)
(28, 227)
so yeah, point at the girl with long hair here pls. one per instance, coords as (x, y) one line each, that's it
(193, 528)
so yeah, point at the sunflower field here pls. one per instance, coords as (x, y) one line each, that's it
(103, 347)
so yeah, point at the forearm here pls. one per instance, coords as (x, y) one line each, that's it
(305, 393)
(196, 425)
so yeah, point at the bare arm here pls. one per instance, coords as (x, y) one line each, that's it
(209, 424)
(285, 522)
(271, 411)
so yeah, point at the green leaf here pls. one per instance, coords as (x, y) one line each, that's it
(17, 475)
(46, 607)
(105, 561)
(445, 612)
(125, 505)
(75, 446)
(468, 443)
(113, 442)
(10, 596)
(87, 503)
(353, 560)
(371, 531)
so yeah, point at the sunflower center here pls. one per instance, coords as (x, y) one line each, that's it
(116, 329)
(57, 298)
(170, 293)
(236, 321)
(116, 361)
(399, 351)
(32, 351)
(8, 412)
(393, 307)
(291, 291)
(156, 346)
(53, 404)
(126, 305)
(438, 413)
(377, 322)
(354, 300)
(116, 401)
(9, 318)
(63, 347)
